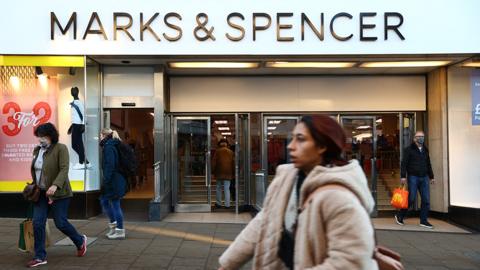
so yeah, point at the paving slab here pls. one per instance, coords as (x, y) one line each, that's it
(182, 245)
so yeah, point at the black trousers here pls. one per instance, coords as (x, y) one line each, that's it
(77, 142)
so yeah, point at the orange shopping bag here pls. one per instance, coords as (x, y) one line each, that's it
(400, 198)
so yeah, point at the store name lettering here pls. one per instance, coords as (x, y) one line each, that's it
(205, 30)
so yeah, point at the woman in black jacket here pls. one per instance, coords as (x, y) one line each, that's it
(113, 185)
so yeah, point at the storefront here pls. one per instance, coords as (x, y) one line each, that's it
(174, 80)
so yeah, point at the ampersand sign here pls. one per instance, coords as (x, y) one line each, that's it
(202, 20)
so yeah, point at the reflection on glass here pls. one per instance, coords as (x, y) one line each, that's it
(278, 137)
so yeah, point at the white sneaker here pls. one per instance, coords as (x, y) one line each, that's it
(119, 234)
(78, 166)
(89, 165)
(111, 227)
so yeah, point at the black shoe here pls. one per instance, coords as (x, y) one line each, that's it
(399, 220)
(218, 206)
(426, 224)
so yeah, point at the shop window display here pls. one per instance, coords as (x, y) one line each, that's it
(30, 96)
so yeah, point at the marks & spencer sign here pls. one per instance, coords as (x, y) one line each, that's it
(218, 27)
(203, 30)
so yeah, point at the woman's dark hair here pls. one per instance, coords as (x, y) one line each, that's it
(47, 130)
(328, 133)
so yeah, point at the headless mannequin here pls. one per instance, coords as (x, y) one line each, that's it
(77, 128)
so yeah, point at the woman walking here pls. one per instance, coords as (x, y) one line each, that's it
(316, 211)
(113, 185)
(49, 170)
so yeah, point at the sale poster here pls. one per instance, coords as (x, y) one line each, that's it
(25, 104)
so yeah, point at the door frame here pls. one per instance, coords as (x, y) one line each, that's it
(245, 155)
(261, 176)
(373, 160)
(184, 207)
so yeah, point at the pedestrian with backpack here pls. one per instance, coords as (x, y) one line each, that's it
(114, 185)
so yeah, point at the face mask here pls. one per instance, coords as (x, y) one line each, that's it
(420, 140)
(43, 143)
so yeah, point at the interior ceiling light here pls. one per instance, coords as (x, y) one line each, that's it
(471, 64)
(274, 122)
(405, 64)
(364, 127)
(271, 128)
(310, 64)
(223, 128)
(221, 122)
(226, 133)
(213, 65)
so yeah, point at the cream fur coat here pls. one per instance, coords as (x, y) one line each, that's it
(333, 232)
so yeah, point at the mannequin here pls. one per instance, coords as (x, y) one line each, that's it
(77, 128)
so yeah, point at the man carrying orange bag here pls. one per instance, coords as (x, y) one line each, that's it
(417, 168)
(400, 198)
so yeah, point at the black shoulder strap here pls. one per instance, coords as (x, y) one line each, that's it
(78, 110)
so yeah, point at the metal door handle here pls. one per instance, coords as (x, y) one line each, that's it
(207, 155)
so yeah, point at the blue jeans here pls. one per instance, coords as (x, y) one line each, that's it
(60, 211)
(422, 185)
(226, 189)
(113, 210)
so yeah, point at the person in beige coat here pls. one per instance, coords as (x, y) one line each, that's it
(332, 231)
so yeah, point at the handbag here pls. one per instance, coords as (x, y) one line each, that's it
(400, 198)
(386, 258)
(31, 192)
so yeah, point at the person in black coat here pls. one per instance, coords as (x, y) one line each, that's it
(114, 185)
(417, 168)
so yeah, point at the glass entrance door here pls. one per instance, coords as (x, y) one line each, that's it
(276, 136)
(362, 146)
(192, 188)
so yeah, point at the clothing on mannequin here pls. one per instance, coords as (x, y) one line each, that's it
(77, 128)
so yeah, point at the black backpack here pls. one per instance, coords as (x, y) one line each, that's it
(128, 163)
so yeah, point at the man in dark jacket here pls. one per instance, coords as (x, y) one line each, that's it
(417, 167)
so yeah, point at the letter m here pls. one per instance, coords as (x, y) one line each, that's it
(54, 20)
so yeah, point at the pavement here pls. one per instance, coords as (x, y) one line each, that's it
(181, 245)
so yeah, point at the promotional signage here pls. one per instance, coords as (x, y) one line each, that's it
(25, 104)
(216, 27)
(476, 97)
